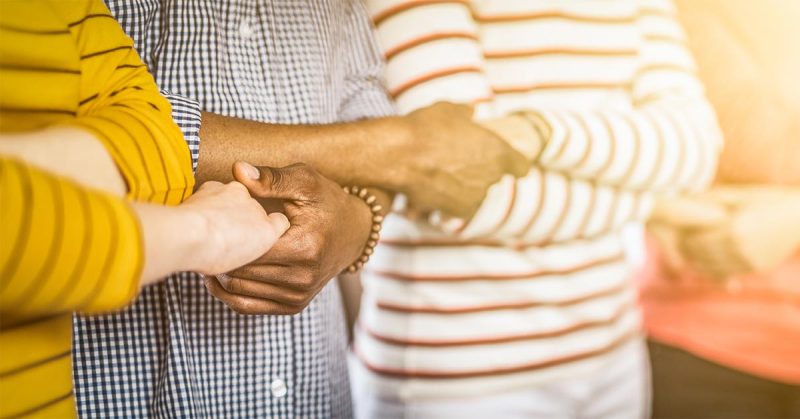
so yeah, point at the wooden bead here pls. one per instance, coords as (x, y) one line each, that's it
(375, 236)
(370, 199)
(369, 251)
(376, 227)
(377, 219)
(377, 208)
(362, 193)
(372, 243)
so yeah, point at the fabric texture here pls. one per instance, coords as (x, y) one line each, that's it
(178, 352)
(536, 287)
(60, 246)
(65, 248)
(622, 391)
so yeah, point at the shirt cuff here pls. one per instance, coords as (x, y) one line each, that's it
(186, 113)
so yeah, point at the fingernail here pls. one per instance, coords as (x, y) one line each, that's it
(251, 171)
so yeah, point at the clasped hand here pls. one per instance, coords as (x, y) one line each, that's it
(328, 229)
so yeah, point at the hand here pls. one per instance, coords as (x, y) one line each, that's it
(730, 231)
(450, 162)
(329, 229)
(235, 228)
(763, 231)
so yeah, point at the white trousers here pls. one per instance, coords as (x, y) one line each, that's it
(621, 391)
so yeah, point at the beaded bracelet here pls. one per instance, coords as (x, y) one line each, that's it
(377, 221)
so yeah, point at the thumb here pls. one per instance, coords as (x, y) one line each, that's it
(518, 164)
(264, 181)
(279, 223)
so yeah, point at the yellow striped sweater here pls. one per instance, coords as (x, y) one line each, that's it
(64, 248)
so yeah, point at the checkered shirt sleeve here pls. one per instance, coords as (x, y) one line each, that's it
(178, 352)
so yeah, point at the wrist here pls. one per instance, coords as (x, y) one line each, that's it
(197, 241)
(370, 218)
(380, 163)
(172, 239)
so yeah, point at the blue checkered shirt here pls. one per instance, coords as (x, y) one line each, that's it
(178, 352)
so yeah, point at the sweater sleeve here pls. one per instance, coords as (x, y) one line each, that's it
(122, 106)
(63, 247)
(584, 159)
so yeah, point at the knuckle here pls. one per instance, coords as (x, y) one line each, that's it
(307, 280)
(296, 299)
(295, 310)
(236, 187)
(243, 307)
(313, 247)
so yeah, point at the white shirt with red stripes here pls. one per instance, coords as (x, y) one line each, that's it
(537, 285)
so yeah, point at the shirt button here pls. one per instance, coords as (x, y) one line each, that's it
(245, 30)
(278, 388)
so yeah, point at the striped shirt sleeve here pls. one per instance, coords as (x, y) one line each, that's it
(124, 109)
(61, 246)
(666, 141)
(669, 140)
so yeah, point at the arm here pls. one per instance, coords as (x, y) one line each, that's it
(122, 107)
(666, 142)
(436, 156)
(86, 237)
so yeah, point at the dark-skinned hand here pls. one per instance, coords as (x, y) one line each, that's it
(328, 231)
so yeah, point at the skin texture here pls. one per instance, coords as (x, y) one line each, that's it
(64, 151)
(217, 229)
(436, 156)
(286, 279)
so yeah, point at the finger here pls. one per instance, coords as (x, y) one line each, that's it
(263, 290)
(290, 182)
(279, 223)
(264, 272)
(291, 277)
(689, 213)
(463, 108)
(711, 251)
(518, 164)
(668, 242)
(247, 305)
(291, 247)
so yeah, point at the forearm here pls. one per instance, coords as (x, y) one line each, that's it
(67, 151)
(172, 240)
(348, 153)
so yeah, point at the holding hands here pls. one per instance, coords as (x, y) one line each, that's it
(329, 229)
(449, 162)
(729, 230)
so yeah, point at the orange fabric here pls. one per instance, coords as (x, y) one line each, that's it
(750, 323)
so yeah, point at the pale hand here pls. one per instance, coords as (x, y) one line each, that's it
(235, 228)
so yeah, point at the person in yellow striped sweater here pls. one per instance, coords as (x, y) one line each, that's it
(82, 126)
